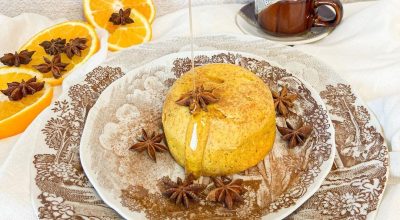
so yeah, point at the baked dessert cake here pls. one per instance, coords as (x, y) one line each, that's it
(223, 125)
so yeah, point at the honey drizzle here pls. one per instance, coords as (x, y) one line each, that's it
(192, 42)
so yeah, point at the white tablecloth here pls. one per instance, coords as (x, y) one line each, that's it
(364, 50)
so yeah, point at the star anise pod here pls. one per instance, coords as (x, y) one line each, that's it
(55, 66)
(283, 101)
(23, 57)
(121, 17)
(227, 191)
(196, 99)
(181, 192)
(295, 137)
(17, 90)
(152, 143)
(75, 46)
(54, 46)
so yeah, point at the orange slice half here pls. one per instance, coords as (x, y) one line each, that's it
(66, 30)
(15, 116)
(98, 13)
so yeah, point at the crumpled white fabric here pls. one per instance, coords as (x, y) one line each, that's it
(364, 50)
(73, 9)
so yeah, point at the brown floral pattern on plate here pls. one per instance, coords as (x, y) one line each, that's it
(284, 175)
(356, 182)
(60, 176)
(62, 184)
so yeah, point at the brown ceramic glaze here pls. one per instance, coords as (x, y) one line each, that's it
(291, 17)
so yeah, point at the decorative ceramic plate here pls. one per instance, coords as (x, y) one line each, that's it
(353, 188)
(130, 182)
(247, 23)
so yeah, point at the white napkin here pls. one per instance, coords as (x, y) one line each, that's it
(365, 51)
(18, 30)
(73, 9)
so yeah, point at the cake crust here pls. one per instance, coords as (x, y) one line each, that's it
(234, 133)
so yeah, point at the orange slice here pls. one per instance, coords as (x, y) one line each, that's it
(15, 116)
(66, 30)
(98, 12)
(107, 7)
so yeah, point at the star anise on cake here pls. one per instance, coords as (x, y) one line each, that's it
(121, 17)
(54, 46)
(295, 136)
(283, 101)
(75, 46)
(151, 143)
(197, 99)
(181, 192)
(55, 66)
(17, 90)
(16, 59)
(227, 191)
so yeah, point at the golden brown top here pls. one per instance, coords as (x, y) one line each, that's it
(236, 94)
(241, 122)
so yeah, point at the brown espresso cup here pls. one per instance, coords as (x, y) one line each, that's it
(293, 17)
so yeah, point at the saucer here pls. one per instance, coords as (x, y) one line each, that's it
(247, 23)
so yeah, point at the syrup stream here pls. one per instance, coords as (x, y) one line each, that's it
(194, 149)
(191, 41)
(194, 141)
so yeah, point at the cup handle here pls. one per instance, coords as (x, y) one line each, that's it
(336, 5)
